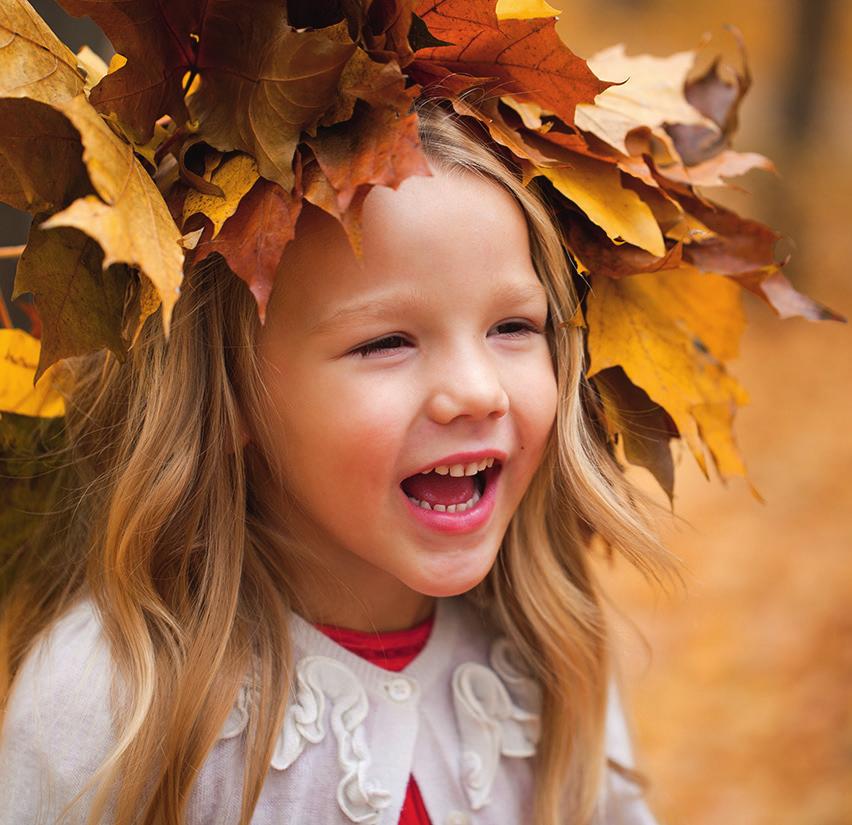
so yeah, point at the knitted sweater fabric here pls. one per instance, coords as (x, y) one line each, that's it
(451, 731)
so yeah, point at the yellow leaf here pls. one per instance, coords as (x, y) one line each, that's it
(524, 9)
(670, 331)
(130, 220)
(650, 93)
(19, 354)
(596, 188)
(715, 425)
(34, 62)
(236, 175)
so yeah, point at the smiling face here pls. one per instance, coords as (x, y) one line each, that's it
(435, 346)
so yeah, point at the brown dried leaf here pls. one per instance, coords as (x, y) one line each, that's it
(524, 56)
(715, 170)
(79, 299)
(596, 254)
(34, 63)
(319, 191)
(645, 427)
(41, 159)
(717, 91)
(376, 147)
(129, 220)
(253, 239)
(257, 92)
(650, 94)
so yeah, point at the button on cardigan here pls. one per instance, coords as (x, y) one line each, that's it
(393, 650)
(462, 718)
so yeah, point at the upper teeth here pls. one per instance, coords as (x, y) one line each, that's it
(461, 469)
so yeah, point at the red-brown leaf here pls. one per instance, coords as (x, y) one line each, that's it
(525, 57)
(253, 239)
(376, 146)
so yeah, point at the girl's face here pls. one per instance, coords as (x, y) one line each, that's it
(435, 346)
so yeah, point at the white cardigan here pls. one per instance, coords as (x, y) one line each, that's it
(461, 717)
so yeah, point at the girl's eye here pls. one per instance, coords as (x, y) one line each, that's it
(510, 329)
(525, 328)
(382, 345)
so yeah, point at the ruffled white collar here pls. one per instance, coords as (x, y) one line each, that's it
(497, 708)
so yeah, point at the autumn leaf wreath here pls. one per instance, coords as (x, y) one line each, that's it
(217, 118)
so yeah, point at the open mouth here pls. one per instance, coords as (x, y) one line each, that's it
(447, 493)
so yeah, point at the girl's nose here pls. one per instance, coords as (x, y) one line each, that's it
(467, 386)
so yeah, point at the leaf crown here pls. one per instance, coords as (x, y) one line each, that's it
(215, 119)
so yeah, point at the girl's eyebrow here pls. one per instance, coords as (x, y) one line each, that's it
(506, 293)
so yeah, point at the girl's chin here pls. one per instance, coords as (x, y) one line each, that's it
(445, 577)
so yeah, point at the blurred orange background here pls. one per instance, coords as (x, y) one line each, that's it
(740, 683)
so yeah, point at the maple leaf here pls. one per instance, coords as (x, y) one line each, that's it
(319, 192)
(369, 137)
(744, 250)
(35, 63)
(19, 392)
(494, 117)
(716, 92)
(715, 170)
(80, 302)
(454, 19)
(80, 154)
(644, 426)
(256, 92)
(649, 92)
(596, 188)
(669, 332)
(375, 147)
(595, 254)
(523, 56)
(41, 158)
(234, 177)
(252, 241)
(128, 216)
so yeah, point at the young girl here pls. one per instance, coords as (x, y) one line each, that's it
(333, 569)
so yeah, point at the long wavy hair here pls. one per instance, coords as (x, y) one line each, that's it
(166, 531)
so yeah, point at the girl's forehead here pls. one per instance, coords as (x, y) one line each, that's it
(454, 215)
(454, 231)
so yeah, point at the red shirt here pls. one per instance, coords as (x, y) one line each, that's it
(392, 650)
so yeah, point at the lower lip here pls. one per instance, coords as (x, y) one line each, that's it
(466, 522)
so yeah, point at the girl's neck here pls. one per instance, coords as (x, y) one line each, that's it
(371, 618)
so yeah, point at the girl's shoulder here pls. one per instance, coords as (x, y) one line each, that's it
(57, 728)
(67, 665)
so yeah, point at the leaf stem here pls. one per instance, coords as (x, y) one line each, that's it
(11, 251)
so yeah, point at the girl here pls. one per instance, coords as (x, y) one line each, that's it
(333, 569)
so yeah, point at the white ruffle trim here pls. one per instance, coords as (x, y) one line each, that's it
(490, 723)
(320, 679)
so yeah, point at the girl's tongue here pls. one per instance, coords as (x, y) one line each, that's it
(437, 489)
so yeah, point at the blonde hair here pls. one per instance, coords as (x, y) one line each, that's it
(165, 530)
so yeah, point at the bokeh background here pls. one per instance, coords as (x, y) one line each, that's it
(739, 684)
